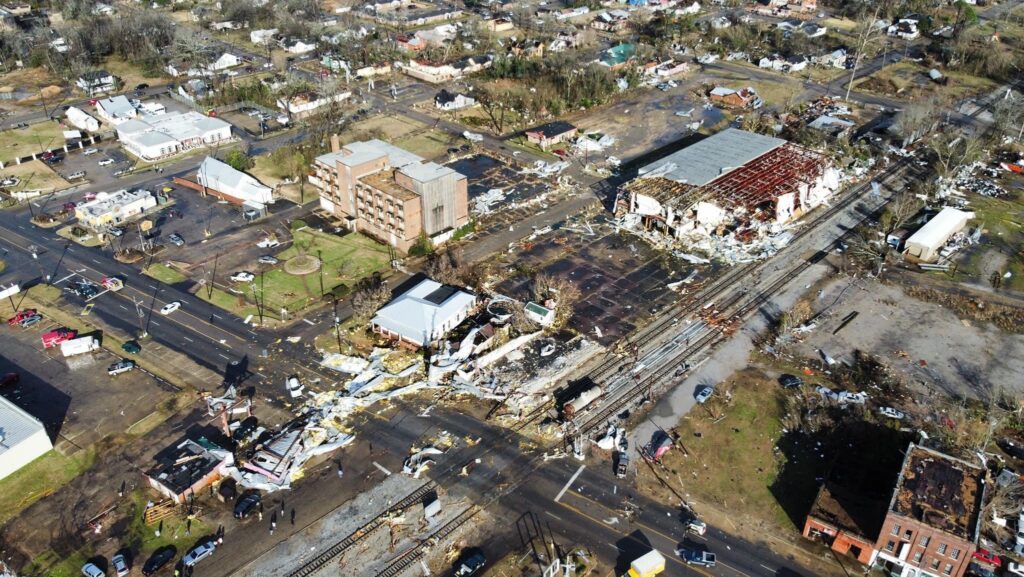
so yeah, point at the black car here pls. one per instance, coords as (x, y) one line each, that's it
(247, 505)
(55, 159)
(159, 559)
(473, 560)
(245, 428)
(790, 381)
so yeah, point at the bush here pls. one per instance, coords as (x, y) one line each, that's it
(298, 224)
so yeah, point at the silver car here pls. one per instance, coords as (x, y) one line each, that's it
(198, 553)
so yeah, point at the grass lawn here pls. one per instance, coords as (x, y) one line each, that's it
(273, 175)
(89, 240)
(129, 74)
(1003, 221)
(385, 127)
(36, 138)
(34, 175)
(431, 144)
(230, 302)
(39, 479)
(164, 273)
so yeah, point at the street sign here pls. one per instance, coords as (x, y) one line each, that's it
(87, 309)
(145, 225)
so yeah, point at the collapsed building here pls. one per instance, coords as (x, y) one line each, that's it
(735, 185)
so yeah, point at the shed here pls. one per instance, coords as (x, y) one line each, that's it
(22, 438)
(924, 245)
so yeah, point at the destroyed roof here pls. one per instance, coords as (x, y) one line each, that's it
(940, 491)
(424, 310)
(189, 462)
(708, 159)
(552, 129)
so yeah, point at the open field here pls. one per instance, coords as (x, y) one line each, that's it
(431, 144)
(1002, 239)
(389, 128)
(910, 80)
(34, 175)
(37, 138)
(273, 176)
(40, 478)
(164, 273)
(128, 74)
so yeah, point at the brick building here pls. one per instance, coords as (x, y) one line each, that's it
(932, 524)
(390, 194)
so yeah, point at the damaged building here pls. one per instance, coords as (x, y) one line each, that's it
(735, 184)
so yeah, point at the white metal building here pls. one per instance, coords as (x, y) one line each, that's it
(424, 314)
(234, 184)
(22, 438)
(925, 244)
(156, 137)
(82, 120)
(116, 109)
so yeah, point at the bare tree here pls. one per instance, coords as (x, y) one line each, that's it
(901, 209)
(443, 268)
(367, 299)
(868, 249)
(563, 292)
(952, 149)
(917, 119)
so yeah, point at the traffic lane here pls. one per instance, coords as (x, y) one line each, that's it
(603, 496)
(614, 543)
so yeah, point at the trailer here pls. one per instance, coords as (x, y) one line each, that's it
(79, 346)
(582, 401)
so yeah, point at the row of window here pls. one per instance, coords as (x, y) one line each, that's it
(941, 549)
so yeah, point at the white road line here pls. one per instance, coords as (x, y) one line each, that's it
(570, 482)
(187, 339)
(96, 261)
(155, 324)
(224, 357)
(217, 316)
(123, 307)
(309, 322)
(381, 467)
(767, 567)
(553, 515)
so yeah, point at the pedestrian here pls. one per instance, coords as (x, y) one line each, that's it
(341, 471)
(293, 517)
(273, 525)
(282, 506)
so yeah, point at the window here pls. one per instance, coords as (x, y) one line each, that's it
(890, 546)
(955, 554)
(917, 557)
(948, 569)
(908, 534)
(925, 541)
(895, 529)
(942, 549)
(935, 564)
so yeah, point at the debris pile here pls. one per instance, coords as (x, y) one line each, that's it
(968, 178)
(485, 203)
(383, 370)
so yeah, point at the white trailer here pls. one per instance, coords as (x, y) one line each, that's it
(79, 346)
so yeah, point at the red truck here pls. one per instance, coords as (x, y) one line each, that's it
(57, 336)
(20, 316)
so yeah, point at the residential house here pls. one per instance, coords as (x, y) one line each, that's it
(17, 8)
(812, 30)
(548, 135)
(225, 25)
(566, 40)
(831, 125)
(423, 17)
(371, 71)
(927, 243)
(306, 103)
(96, 82)
(297, 47)
(81, 120)
(666, 68)
(834, 59)
(499, 24)
(116, 109)
(617, 57)
(720, 22)
(101, 9)
(113, 208)
(424, 314)
(569, 13)
(439, 35)
(60, 45)
(742, 98)
(795, 64)
(905, 28)
(611, 21)
(446, 100)
(410, 42)
(178, 69)
(261, 37)
(225, 61)
(438, 73)
(526, 48)
(773, 62)
(688, 9)
(195, 90)
(390, 194)
(156, 137)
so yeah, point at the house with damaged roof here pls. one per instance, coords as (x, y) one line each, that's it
(734, 183)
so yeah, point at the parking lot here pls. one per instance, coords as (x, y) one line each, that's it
(255, 122)
(75, 398)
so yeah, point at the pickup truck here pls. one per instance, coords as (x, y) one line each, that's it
(57, 336)
(695, 557)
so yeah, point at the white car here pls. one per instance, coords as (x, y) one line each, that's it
(243, 276)
(90, 151)
(827, 392)
(170, 308)
(703, 393)
(120, 565)
(106, 162)
(892, 413)
(294, 386)
(855, 398)
(268, 243)
(91, 570)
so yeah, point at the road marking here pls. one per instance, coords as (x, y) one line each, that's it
(217, 316)
(155, 324)
(96, 261)
(187, 339)
(553, 515)
(309, 322)
(122, 307)
(381, 467)
(223, 356)
(766, 567)
(65, 278)
(570, 482)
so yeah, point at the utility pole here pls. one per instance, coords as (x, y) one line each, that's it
(337, 324)
(320, 258)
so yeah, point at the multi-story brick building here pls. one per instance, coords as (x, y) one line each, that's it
(931, 527)
(391, 194)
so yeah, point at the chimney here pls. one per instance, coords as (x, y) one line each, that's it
(335, 144)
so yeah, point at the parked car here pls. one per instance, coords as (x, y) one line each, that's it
(120, 367)
(790, 381)
(20, 316)
(120, 563)
(243, 276)
(90, 151)
(9, 380)
(158, 560)
(198, 553)
(703, 393)
(267, 259)
(268, 243)
(855, 398)
(115, 231)
(106, 162)
(91, 570)
(247, 505)
(695, 525)
(472, 562)
(131, 347)
(892, 413)
(55, 159)
(176, 239)
(76, 175)
(57, 336)
(170, 308)
(30, 320)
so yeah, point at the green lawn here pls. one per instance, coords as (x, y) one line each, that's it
(39, 479)
(36, 138)
(430, 144)
(230, 302)
(165, 274)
